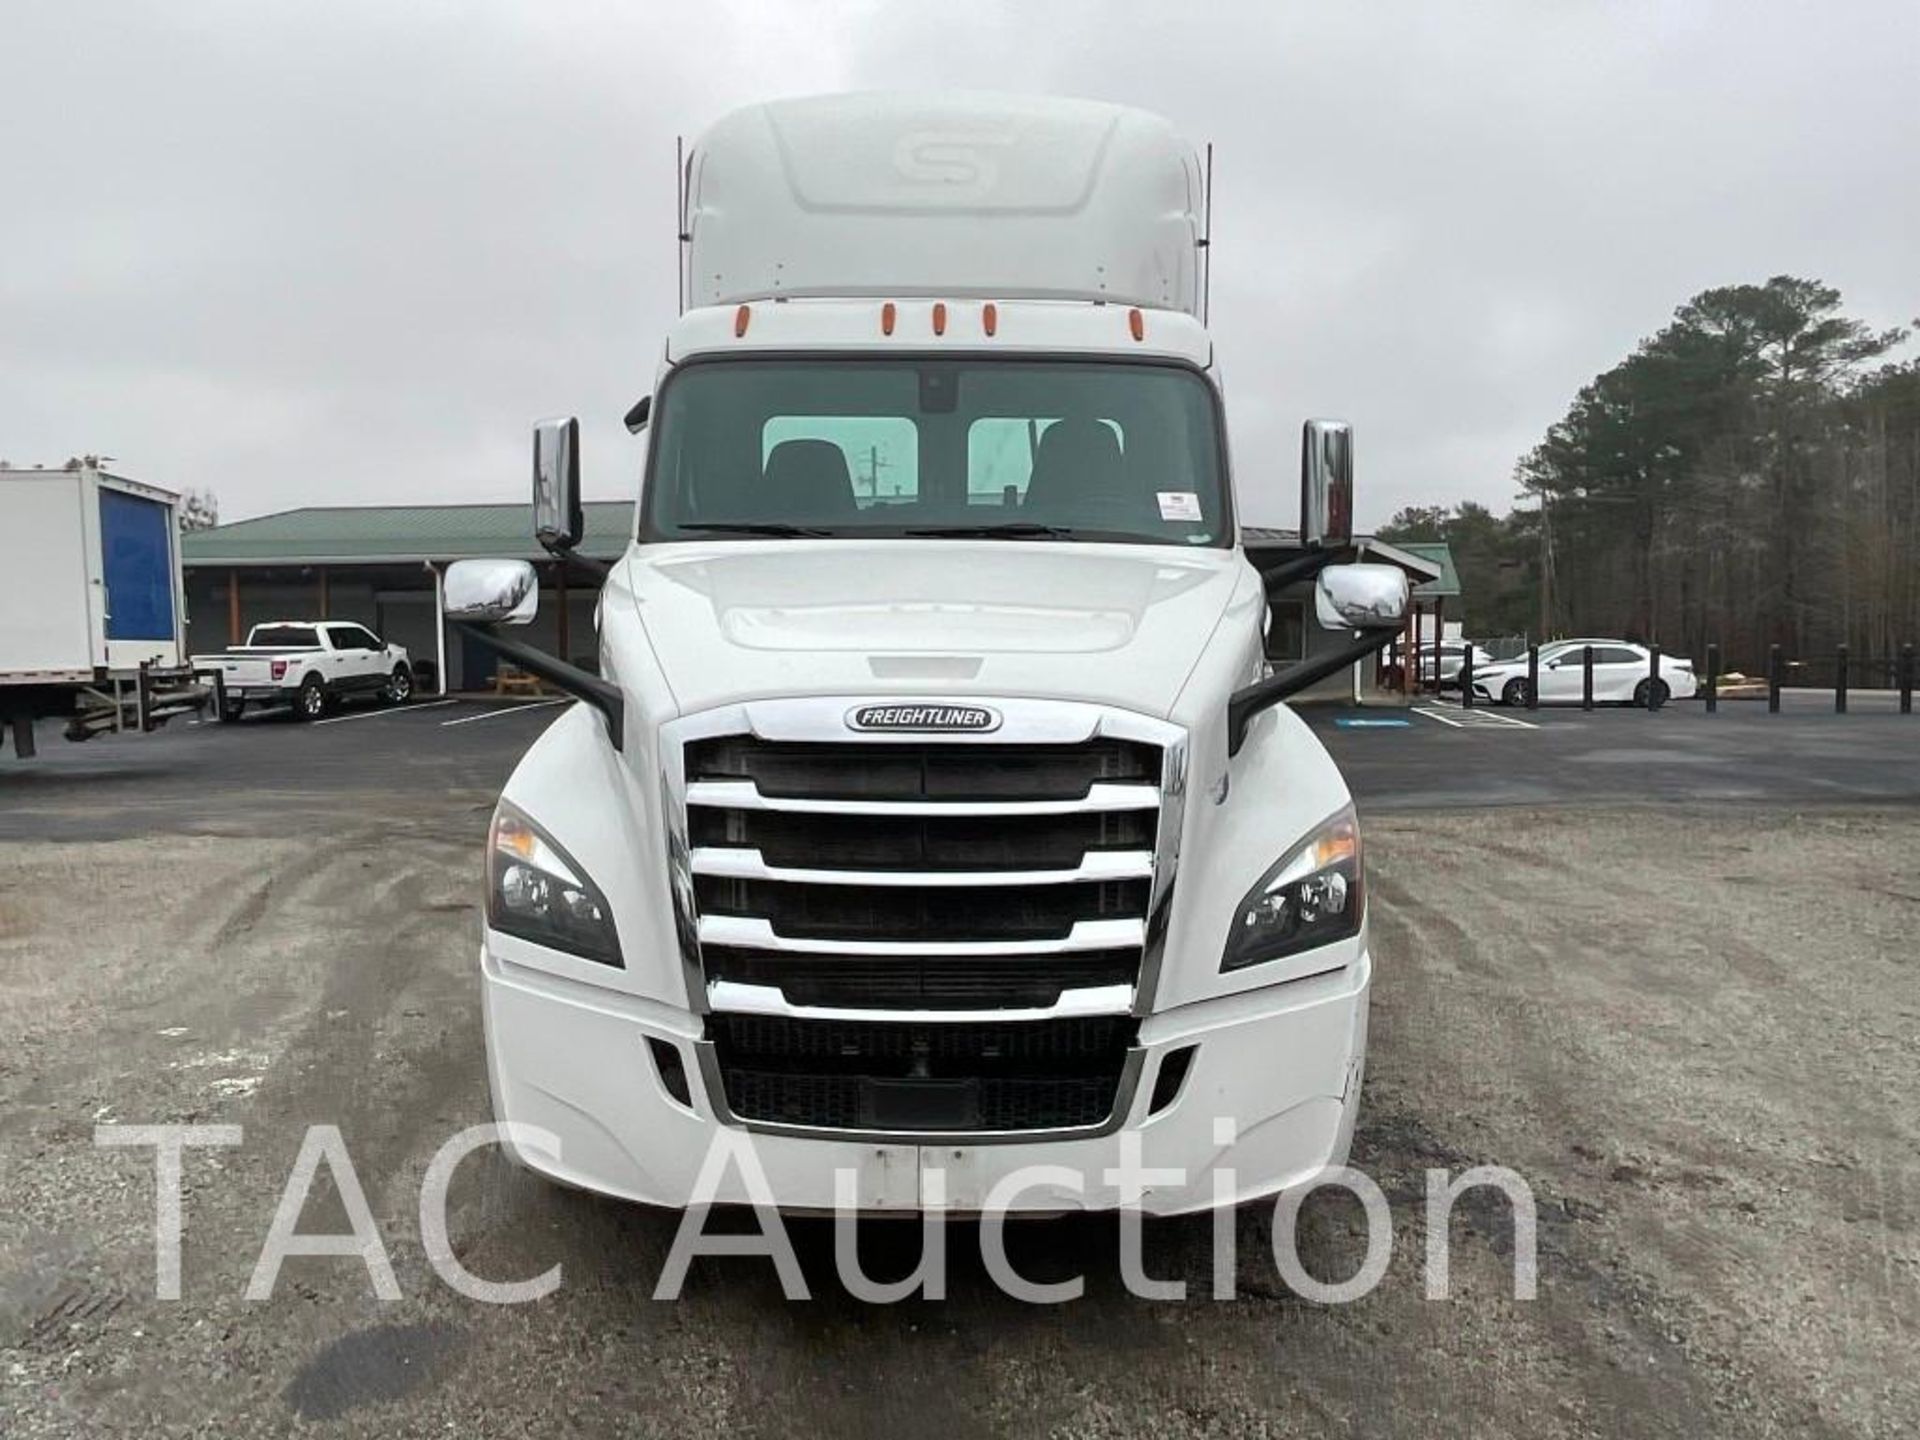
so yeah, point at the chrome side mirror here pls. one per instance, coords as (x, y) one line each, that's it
(1326, 483)
(557, 521)
(505, 592)
(1361, 597)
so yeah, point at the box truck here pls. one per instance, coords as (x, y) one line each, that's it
(92, 608)
(933, 829)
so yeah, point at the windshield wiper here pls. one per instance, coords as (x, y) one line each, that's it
(1012, 530)
(754, 527)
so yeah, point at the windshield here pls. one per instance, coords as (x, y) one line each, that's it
(914, 448)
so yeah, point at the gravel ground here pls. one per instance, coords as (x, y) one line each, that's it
(1692, 1029)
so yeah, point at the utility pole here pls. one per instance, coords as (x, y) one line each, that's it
(874, 466)
(1546, 567)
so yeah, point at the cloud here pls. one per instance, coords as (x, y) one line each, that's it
(340, 253)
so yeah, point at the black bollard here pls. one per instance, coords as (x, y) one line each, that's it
(1840, 681)
(1773, 679)
(1713, 677)
(1466, 677)
(1653, 677)
(1586, 677)
(1533, 677)
(1906, 679)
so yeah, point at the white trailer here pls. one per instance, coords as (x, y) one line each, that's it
(92, 605)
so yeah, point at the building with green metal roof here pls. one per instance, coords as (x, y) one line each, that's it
(358, 534)
(381, 566)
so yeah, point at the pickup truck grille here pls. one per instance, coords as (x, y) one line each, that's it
(994, 894)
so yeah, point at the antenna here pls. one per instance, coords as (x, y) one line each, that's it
(1206, 244)
(680, 224)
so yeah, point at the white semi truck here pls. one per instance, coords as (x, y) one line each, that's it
(92, 607)
(934, 807)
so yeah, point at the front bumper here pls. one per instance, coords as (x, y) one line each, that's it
(1282, 1064)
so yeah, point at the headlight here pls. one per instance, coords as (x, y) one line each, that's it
(537, 891)
(1312, 896)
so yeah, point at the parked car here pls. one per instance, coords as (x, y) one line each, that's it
(1453, 656)
(1622, 674)
(311, 665)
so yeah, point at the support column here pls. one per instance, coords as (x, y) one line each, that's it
(233, 607)
(1439, 631)
(1410, 651)
(326, 612)
(439, 624)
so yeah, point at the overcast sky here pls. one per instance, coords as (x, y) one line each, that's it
(343, 253)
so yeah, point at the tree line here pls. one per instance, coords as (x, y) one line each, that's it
(1748, 475)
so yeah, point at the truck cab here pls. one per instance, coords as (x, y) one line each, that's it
(934, 808)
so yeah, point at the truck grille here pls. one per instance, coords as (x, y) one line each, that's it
(872, 876)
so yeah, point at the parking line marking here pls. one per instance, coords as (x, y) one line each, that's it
(1477, 718)
(396, 710)
(1493, 717)
(506, 710)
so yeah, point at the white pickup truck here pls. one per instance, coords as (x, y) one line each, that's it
(311, 665)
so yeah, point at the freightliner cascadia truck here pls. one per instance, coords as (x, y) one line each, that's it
(934, 804)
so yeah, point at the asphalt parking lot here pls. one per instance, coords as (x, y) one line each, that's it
(1661, 965)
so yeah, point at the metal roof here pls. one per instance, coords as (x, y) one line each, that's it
(397, 534)
(1434, 552)
(1430, 559)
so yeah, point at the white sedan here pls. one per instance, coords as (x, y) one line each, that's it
(1622, 674)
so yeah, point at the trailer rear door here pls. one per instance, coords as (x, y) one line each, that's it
(136, 545)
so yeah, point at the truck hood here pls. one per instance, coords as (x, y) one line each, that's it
(1119, 625)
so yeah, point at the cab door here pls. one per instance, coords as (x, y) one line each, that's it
(350, 665)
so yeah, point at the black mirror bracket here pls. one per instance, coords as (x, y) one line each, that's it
(1250, 700)
(603, 695)
(1303, 567)
(580, 567)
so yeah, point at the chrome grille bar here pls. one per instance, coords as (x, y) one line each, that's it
(735, 998)
(745, 795)
(745, 864)
(749, 932)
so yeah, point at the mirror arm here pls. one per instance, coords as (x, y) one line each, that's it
(1251, 700)
(580, 567)
(1302, 567)
(603, 695)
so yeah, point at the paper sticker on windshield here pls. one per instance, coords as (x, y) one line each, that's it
(1178, 504)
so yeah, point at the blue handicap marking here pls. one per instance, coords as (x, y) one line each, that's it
(1367, 722)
